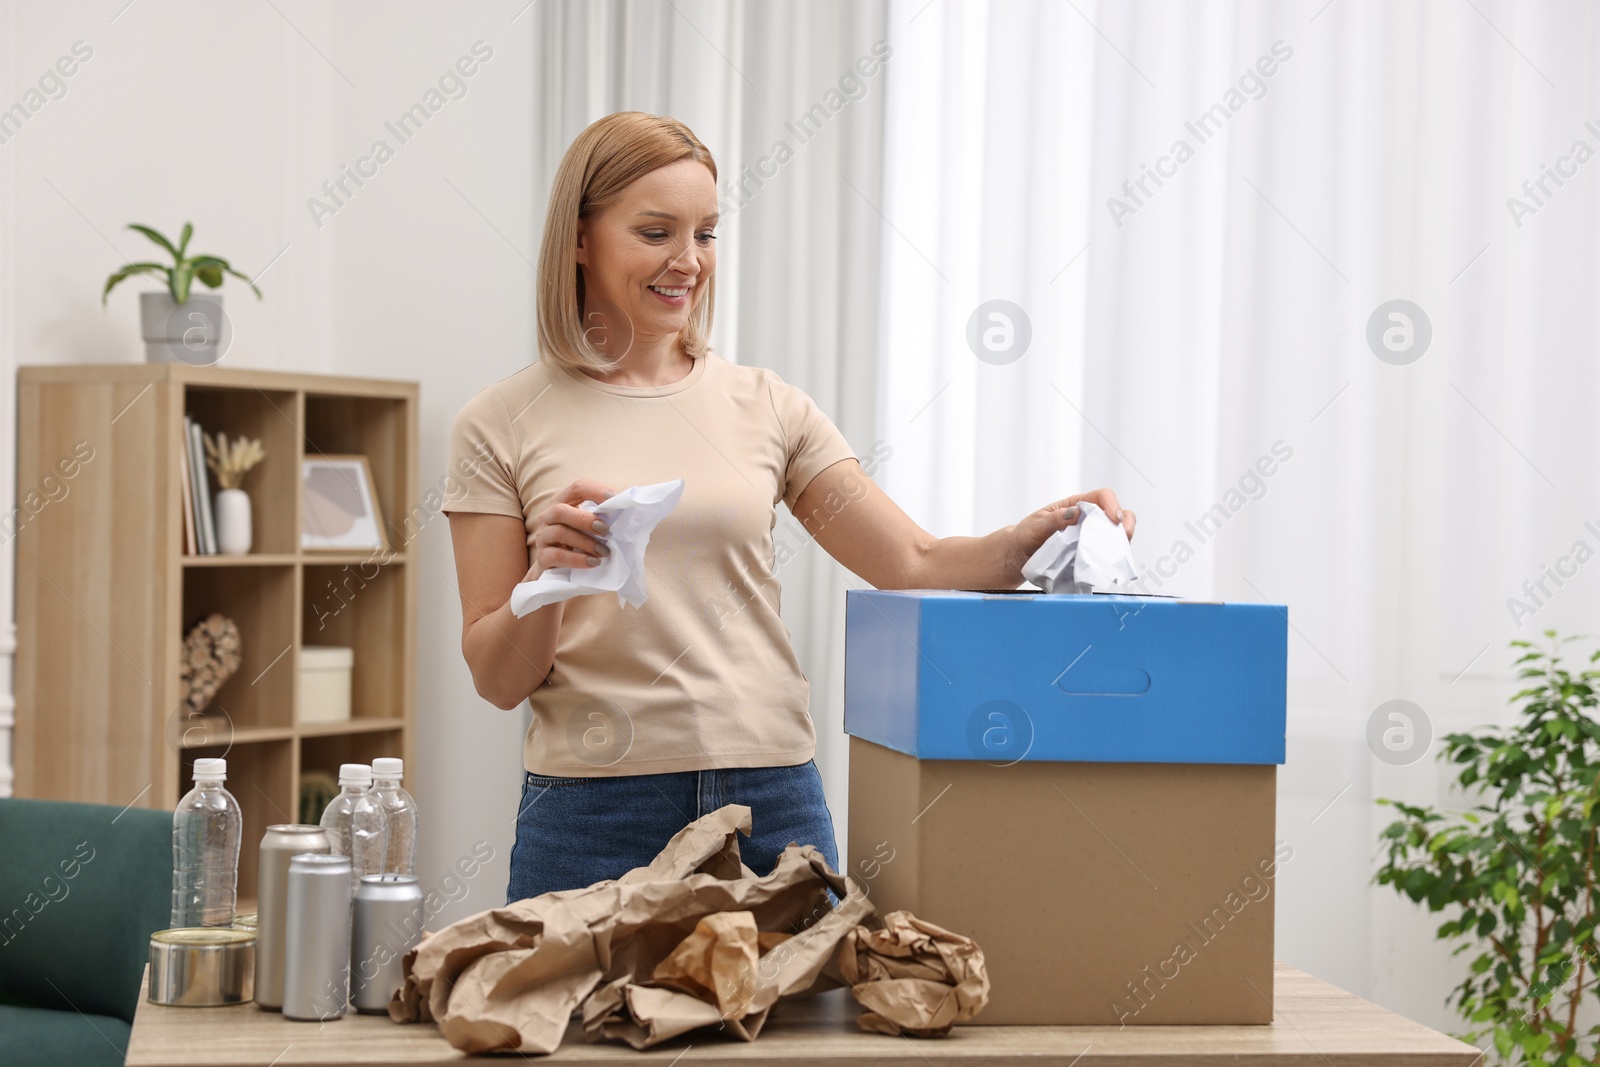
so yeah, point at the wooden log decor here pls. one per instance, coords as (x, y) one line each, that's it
(211, 654)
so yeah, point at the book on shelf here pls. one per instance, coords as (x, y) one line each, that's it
(206, 532)
(188, 500)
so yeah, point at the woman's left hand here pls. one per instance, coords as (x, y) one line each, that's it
(1034, 530)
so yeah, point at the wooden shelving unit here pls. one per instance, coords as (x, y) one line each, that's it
(105, 594)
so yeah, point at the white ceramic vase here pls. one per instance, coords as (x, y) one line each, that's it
(233, 522)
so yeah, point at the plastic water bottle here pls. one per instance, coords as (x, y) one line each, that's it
(356, 823)
(401, 812)
(206, 829)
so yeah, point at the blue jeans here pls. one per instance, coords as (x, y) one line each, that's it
(573, 832)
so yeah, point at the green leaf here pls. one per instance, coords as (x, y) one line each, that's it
(158, 239)
(127, 271)
(1527, 841)
(212, 276)
(218, 261)
(182, 279)
(1502, 1042)
(183, 242)
(246, 280)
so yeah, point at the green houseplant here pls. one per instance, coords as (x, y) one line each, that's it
(1517, 870)
(178, 324)
(185, 269)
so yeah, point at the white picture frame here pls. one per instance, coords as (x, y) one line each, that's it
(339, 508)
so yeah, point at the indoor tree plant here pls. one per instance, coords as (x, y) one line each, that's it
(1517, 870)
(172, 329)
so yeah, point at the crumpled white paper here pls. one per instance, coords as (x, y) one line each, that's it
(1091, 555)
(632, 515)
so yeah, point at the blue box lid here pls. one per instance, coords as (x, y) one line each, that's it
(1004, 676)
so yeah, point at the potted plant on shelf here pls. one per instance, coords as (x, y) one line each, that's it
(180, 325)
(1517, 870)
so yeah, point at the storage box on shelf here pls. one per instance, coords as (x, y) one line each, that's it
(105, 593)
(1085, 785)
(358, 605)
(325, 683)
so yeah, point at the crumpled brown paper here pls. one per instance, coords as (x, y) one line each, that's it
(694, 939)
(913, 977)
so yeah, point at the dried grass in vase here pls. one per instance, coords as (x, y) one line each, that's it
(231, 462)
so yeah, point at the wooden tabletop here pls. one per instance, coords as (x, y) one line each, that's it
(1315, 1025)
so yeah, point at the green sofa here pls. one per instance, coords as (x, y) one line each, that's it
(82, 886)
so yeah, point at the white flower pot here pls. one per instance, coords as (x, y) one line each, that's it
(196, 332)
(233, 522)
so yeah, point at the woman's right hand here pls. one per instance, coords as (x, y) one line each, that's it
(564, 535)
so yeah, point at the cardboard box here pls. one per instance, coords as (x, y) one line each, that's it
(325, 683)
(1086, 785)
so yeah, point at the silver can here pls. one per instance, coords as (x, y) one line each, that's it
(386, 925)
(201, 967)
(316, 944)
(272, 888)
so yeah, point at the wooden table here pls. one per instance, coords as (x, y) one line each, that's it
(1315, 1025)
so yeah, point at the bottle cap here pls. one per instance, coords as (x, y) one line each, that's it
(388, 767)
(210, 770)
(355, 774)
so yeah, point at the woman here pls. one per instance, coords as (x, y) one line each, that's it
(646, 718)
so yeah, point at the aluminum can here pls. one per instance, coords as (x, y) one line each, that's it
(272, 889)
(316, 943)
(201, 967)
(387, 924)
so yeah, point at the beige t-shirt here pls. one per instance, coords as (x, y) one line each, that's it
(702, 675)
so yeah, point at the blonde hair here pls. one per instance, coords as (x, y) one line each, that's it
(609, 155)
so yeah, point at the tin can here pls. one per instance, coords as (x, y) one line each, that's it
(316, 943)
(272, 887)
(201, 967)
(387, 924)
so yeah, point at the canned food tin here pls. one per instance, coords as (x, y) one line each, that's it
(245, 921)
(387, 924)
(202, 966)
(316, 949)
(280, 842)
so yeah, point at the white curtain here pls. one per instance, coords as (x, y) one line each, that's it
(1340, 156)
(798, 248)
